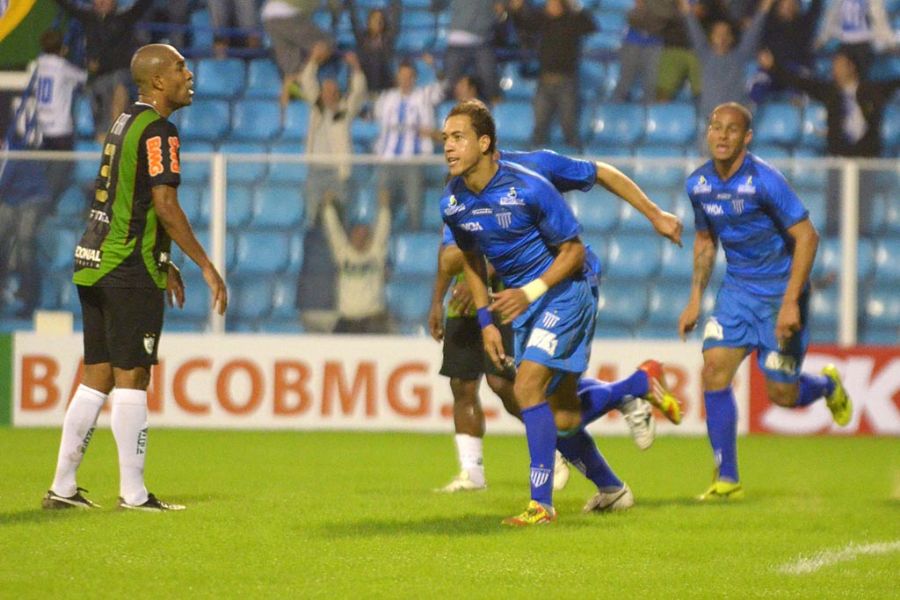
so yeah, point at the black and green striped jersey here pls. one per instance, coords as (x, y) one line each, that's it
(124, 244)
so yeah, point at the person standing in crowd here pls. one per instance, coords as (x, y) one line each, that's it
(123, 273)
(470, 48)
(376, 43)
(641, 49)
(109, 44)
(861, 28)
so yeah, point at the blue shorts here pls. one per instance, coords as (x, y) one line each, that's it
(558, 329)
(742, 320)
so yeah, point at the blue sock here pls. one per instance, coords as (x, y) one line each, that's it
(813, 387)
(598, 397)
(540, 430)
(721, 425)
(579, 449)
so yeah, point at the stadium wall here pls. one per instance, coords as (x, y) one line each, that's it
(321, 382)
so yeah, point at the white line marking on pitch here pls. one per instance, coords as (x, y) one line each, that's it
(826, 558)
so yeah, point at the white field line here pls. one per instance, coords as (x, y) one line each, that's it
(826, 558)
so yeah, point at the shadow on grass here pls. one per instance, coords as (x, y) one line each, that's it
(39, 515)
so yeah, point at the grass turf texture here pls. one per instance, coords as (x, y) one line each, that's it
(341, 514)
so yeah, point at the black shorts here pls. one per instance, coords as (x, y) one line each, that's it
(121, 325)
(464, 356)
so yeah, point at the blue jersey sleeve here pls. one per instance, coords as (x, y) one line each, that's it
(700, 221)
(447, 238)
(566, 174)
(784, 206)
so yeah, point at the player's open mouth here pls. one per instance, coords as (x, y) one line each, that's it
(452, 161)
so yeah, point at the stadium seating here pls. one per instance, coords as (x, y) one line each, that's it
(207, 120)
(882, 317)
(672, 124)
(244, 169)
(814, 127)
(515, 122)
(256, 121)
(617, 124)
(263, 79)
(415, 254)
(84, 117)
(278, 207)
(409, 300)
(890, 130)
(778, 124)
(238, 205)
(220, 78)
(596, 210)
(296, 121)
(623, 305)
(196, 168)
(513, 84)
(887, 260)
(633, 257)
(261, 252)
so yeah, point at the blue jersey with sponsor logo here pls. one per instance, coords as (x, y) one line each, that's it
(566, 174)
(749, 214)
(517, 221)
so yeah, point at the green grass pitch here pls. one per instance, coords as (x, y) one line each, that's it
(288, 514)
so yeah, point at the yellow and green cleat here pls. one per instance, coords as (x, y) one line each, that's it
(722, 490)
(839, 401)
(535, 514)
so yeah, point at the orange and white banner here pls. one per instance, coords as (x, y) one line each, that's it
(871, 376)
(322, 382)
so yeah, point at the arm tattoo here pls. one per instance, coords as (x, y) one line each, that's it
(703, 265)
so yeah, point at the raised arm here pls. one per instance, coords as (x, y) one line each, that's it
(704, 260)
(616, 182)
(806, 242)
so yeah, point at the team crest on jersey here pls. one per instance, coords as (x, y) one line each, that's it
(511, 198)
(702, 186)
(149, 343)
(737, 206)
(454, 206)
(549, 319)
(713, 330)
(540, 477)
(504, 219)
(543, 340)
(747, 187)
(781, 362)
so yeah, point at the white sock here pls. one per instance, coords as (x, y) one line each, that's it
(129, 427)
(471, 456)
(78, 427)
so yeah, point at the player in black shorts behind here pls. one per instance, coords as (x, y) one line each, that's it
(123, 273)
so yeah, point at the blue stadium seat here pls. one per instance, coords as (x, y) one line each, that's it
(84, 117)
(780, 123)
(592, 76)
(677, 264)
(515, 122)
(890, 129)
(241, 169)
(824, 308)
(63, 249)
(263, 79)
(196, 170)
(288, 173)
(624, 304)
(296, 122)
(416, 19)
(251, 300)
(807, 176)
(194, 203)
(284, 297)
(611, 80)
(415, 253)
(73, 204)
(364, 133)
(882, 316)
(255, 121)
(196, 298)
(202, 38)
(278, 207)
(611, 20)
(631, 221)
(68, 298)
(205, 120)
(262, 252)
(415, 40)
(671, 124)
(618, 124)
(665, 306)
(602, 43)
(828, 258)
(815, 204)
(86, 169)
(669, 175)
(513, 84)
(597, 242)
(221, 78)
(887, 260)
(409, 300)
(431, 214)
(632, 257)
(621, 6)
(187, 266)
(238, 205)
(815, 127)
(774, 155)
(885, 218)
(596, 210)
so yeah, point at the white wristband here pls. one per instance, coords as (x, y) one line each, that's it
(535, 289)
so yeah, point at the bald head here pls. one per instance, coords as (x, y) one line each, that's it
(152, 60)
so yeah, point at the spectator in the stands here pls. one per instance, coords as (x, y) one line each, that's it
(109, 45)
(330, 117)
(678, 62)
(57, 80)
(861, 28)
(292, 32)
(470, 43)
(361, 259)
(724, 64)
(855, 110)
(376, 43)
(562, 29)
(234, 24)
(641, 48)
(406, 120)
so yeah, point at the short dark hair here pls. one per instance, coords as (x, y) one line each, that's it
(745, 112)
(482, 121)
(51, 41)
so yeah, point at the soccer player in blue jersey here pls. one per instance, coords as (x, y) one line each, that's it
(464, 361)
(519, 222)
(770, 245)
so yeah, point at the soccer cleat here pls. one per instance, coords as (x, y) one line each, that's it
(461, 483)
(535, 514)
(53, 501)
(153, 504)
(839, 401)
(621, 499)
(560, 472)
(639, 417)
(659, 395)
(722, 490)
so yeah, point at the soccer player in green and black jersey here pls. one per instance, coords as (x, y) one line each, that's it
(123, 273)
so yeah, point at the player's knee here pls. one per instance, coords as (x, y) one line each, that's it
(566, 420)
(135, 379)
(715, 377)
(464, 390)
(528, 392)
